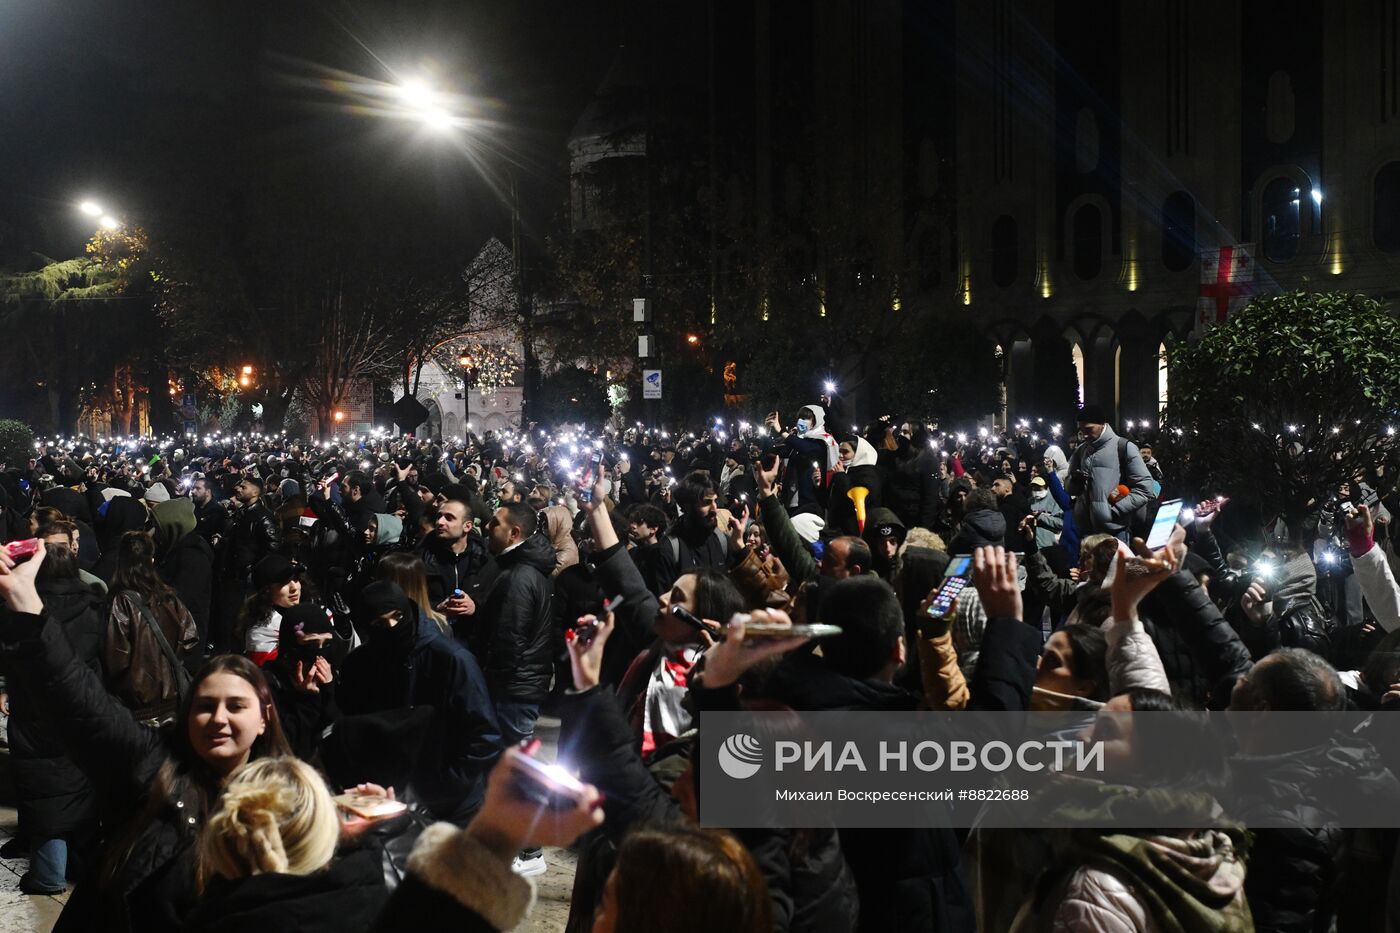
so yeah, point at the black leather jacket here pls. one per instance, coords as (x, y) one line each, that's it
(253, 534)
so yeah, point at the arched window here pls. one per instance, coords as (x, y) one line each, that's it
(1385, 208)
(1161, 379)
(1088, 241)
(1178, 231)
(1004, 251)
(1281, 228)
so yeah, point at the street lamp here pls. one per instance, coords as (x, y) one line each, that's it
(91, 209)
(109, 222)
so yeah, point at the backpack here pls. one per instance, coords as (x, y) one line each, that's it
(1140, 521)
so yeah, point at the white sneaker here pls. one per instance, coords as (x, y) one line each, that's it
(528, 868)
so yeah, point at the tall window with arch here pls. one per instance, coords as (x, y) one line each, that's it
(1161, 380)
(1282, 225)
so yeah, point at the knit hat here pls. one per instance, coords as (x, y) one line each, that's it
(112, 492)
(157, 493)
(1091, 414)
(381, 596)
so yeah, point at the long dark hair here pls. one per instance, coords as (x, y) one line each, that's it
(186, 779)
(136, 572)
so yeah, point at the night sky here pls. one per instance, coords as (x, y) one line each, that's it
(190, 109)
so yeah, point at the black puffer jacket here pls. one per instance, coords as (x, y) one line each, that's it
(154, 887)
(53, 794)
(1201, 653)
(511, 634)
(1292, 870)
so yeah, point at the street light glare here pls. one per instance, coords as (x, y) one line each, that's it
(417, 94)
(91, 209)
(439, 119)
(109, 223)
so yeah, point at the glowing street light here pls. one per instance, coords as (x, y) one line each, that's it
(91, 209)
(108, 222)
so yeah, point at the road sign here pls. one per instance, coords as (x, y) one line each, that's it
(651, 383)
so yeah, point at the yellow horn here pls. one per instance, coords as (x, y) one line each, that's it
(857, 495)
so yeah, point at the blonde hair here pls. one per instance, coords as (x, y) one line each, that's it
(275, 815)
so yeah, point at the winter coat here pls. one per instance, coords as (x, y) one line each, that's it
(469, 571)
(510, 632)
(1291, 870)
(559, 524)
(1095, 471)
(136, 668)
(431, 669)
(344, 897)
(186, 560)
(1202, 654)
(786, 543)
(253, 534)
(1122, 883)
(1049, 520)
(810, 889)
(455, 884)
(53, 795)
(211, 521)
(154, 887)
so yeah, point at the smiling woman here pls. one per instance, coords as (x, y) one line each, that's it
(156, 786)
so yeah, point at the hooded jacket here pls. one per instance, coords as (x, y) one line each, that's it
(811, 448)
(1151, 883)
(430, 669)
(186, 560)
(559, 525)
(511, 634)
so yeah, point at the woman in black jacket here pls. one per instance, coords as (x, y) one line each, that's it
(155, 787)
(57, 809)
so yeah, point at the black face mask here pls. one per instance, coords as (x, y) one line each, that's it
(398, 638)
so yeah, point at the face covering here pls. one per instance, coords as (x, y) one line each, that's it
(1040, 494)
(803, 426)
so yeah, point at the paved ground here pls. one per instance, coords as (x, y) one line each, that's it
(21, 913)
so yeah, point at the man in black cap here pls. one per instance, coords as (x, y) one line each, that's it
(1110, 484)
(406, 661)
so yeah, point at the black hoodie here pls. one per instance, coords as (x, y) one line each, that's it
(344, 897)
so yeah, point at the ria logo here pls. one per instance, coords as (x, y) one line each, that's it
(740, 756)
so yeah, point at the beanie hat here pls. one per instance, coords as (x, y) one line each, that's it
(157, 493)
(1091, 414)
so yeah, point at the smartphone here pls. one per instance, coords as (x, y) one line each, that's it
(368, 806)
(548, 785)
(1163, 525)
(773, 630)
(695, 622)
(956, 578)
(333, 478)
(21, 551)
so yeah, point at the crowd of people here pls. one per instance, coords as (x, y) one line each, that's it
(215, 640)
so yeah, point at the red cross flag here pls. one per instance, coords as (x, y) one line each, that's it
(1227, 283)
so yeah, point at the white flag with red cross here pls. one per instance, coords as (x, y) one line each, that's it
(1227, 283)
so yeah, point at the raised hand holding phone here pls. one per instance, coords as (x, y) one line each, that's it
(511, 818)
(727, 661)
(585, 643)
